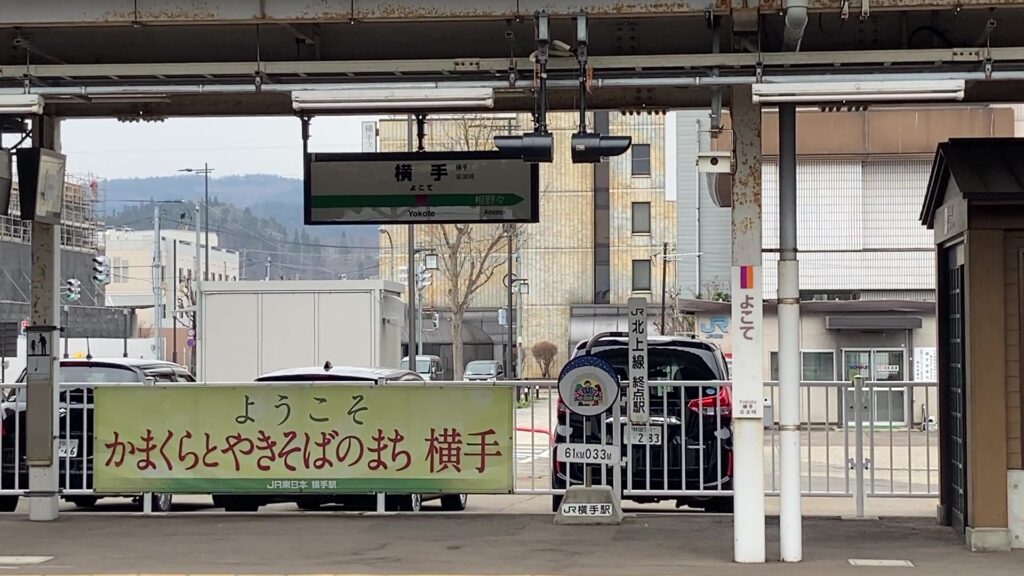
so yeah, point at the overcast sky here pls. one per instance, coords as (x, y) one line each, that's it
(112, 149)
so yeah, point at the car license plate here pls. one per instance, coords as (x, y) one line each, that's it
(67, 448)
(644, 435)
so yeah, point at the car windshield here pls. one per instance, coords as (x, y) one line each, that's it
(422, 365)
(481, 369)
(76, 374)
(98, 374)
(323, 377)
(677, 364)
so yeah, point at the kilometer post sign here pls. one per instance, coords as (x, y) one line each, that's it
(299, 439)
(420, 188)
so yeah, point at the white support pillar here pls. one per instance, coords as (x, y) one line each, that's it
(44, 370)
(747, 327)
(790, 521)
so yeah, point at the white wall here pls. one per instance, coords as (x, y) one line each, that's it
(857, 226)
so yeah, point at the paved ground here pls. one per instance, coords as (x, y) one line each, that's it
(470, 544)
(826, 507)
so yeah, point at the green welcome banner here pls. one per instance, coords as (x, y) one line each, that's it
(299, 439)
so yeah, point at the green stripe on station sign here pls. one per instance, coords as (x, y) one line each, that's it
(415, 200)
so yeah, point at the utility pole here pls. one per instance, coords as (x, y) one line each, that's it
(157, 276)
(664, 269)
(206, 217)
(127, 331)
(508, 315)
(195, 300)
(67, 329)
(411, 268)
(205, 171)
(267, 277)
(420, 286)
(174, 300)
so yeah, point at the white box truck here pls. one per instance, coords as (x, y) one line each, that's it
(250, 328)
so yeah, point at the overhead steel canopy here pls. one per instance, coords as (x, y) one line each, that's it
(154, 58)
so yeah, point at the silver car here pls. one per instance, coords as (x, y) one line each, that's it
(484, 370)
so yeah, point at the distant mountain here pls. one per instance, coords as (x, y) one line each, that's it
(244, 191)
(258, 215)
(274, 197)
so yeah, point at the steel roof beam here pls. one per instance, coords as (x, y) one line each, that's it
(157, 12)
(498, 66)
(151, 12)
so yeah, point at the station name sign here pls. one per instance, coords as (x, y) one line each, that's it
(420, 188)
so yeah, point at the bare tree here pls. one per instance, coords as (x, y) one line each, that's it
(715, 290)
(469, 254)
(469, 258)
(544, 354)
(678, 322)
(472, 131)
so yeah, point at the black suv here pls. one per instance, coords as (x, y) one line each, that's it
(75, 444)
(705, 413)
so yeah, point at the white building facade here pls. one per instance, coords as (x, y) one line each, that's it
(132, 267)
(867, 266)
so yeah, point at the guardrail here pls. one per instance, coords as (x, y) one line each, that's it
(683, 453)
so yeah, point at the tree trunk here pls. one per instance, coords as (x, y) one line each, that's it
(457, 363)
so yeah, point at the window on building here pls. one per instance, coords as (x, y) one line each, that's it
(641, 217)
(641, 275)
(118, 270)
(641, 159)
(817, 366)
(810, 295)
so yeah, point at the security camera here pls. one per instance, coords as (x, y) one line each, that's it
(714, 162)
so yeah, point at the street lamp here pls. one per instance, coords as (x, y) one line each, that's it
(205, 171)
(424, 277)
(391, 243)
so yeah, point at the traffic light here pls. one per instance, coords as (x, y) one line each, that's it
(100, 270)
(531, 147)
(590, 147)
(73, 290)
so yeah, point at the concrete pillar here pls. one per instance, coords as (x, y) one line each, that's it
(790, 523)
(43, 393)
(748, 324)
